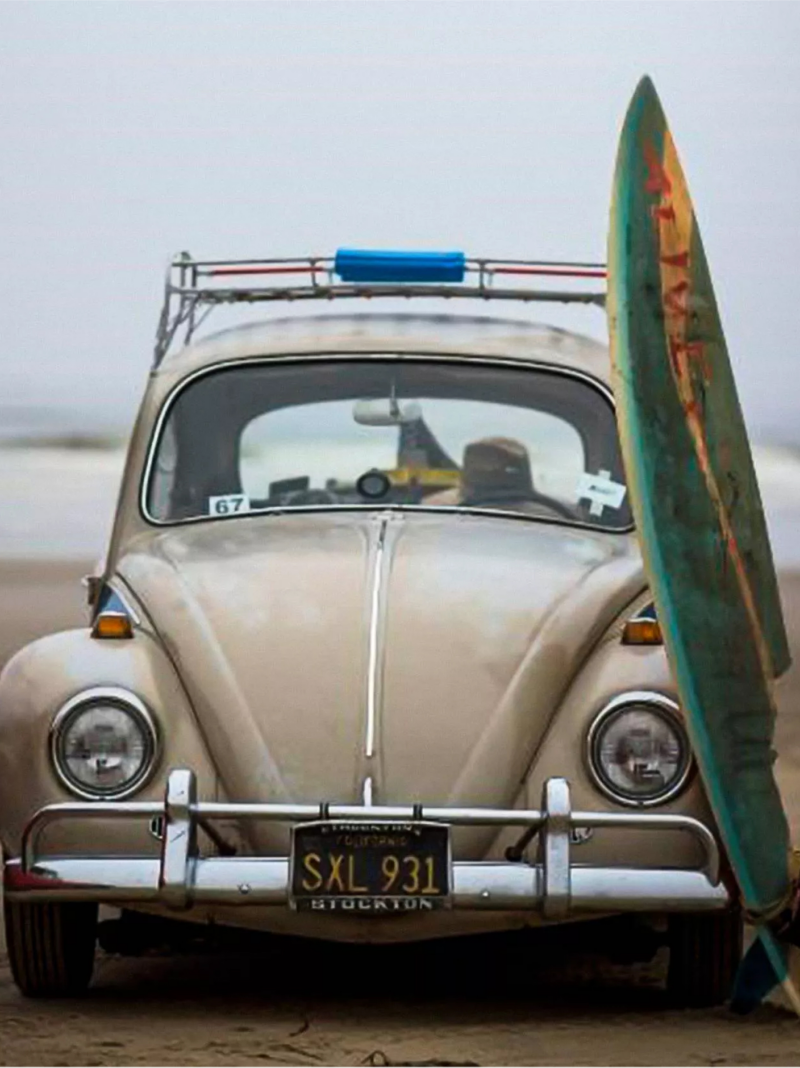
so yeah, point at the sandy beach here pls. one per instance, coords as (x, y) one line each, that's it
(293, 1005)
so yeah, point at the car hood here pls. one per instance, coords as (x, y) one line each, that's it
(424, 652)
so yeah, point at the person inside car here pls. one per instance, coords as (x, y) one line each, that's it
(496, 473)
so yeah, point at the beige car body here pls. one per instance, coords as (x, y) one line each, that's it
(497, 644)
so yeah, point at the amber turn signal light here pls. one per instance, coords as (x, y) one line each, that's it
(112, 625)
(642, 632)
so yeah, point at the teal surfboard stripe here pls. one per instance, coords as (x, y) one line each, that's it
(710, 636)
(649, 531)
(778, 954)
(636, 433)
(646, 518)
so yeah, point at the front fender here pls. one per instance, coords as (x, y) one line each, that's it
(613, 669)
(34, 685)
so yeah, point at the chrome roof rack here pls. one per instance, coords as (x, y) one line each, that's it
(195, 287)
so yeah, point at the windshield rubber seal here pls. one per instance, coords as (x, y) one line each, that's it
(348, 356)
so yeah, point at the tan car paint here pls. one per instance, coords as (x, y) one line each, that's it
(483, 624)
(35, 684)
(442, 337)
(499, 643)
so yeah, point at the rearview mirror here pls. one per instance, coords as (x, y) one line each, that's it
(386, 411)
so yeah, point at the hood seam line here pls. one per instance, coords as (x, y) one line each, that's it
(373, 656)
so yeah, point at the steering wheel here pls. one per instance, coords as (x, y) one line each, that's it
(494, 501)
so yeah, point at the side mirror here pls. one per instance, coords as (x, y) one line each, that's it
(386, 411)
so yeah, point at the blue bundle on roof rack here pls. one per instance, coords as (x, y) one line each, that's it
(364, 265)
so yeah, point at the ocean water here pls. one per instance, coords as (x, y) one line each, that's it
(778, 470)
(58, 500)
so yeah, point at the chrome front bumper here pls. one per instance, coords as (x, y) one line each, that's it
(181, 878)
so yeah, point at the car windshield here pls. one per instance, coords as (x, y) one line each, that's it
(389, 431)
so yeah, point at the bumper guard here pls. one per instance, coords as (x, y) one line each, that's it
(180, 877)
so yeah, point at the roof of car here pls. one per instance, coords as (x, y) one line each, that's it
(372, 333)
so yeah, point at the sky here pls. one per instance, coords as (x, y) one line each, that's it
(132, 130)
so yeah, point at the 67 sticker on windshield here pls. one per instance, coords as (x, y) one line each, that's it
(229, 504)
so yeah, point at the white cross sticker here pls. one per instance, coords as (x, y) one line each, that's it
(601, 491)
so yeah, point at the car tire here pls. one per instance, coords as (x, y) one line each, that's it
(51, 946)
(704, 953)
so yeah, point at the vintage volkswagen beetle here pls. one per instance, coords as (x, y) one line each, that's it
(371, 656)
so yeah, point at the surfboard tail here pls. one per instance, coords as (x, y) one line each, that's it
(768, 964)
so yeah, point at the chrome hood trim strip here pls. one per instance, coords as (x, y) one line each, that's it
(375, 644)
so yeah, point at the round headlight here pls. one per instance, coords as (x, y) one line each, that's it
(638, 750)
(104, 743)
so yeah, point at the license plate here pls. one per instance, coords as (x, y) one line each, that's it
(380, 868)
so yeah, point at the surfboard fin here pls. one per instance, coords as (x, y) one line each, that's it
(768, 963)
(755, 979)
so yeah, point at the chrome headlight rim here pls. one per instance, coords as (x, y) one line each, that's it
(661, 705)
(127, 701)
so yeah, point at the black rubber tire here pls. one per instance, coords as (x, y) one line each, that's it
(704, 953)
(51, 946)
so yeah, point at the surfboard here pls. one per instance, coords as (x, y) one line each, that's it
(697, 507)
